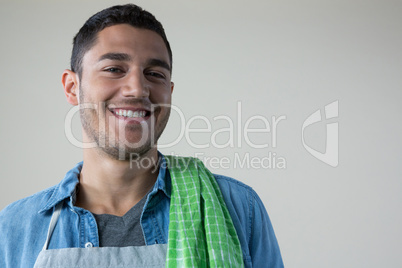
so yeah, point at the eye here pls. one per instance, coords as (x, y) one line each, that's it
(155, 74)
(113, 70)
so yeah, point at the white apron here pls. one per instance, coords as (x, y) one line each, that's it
(99, 257)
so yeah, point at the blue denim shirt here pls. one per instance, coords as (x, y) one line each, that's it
(24, 224)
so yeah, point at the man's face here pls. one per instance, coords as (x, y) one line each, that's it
(126, 74)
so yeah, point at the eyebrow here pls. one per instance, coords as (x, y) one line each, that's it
(159, 63)
(115, 56)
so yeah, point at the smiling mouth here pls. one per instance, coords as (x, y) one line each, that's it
(128, 114)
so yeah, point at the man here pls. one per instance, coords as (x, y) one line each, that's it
(112, 209)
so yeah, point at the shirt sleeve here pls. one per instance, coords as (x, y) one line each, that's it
(264, 248)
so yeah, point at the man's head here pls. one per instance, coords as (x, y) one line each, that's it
(121, 79)
(121, 14)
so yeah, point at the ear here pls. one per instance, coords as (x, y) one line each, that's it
(171, 87)
(70, 83)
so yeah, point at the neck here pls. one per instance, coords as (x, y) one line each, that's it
(110, 186)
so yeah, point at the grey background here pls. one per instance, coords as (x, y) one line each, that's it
(277, 58)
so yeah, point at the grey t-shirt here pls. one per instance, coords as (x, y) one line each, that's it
(125, 231)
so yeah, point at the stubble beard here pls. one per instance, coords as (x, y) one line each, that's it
(117, 150)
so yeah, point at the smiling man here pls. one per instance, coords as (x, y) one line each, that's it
(107, 212)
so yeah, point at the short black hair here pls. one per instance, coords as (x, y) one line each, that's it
(120, 14)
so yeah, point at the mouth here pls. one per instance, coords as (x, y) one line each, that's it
(133, 115)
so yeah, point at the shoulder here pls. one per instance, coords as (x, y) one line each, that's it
(250, 218)
(239, 199)
(45, 199)
(236, 194)
(25, 208)
(230, 182)
(21, 224)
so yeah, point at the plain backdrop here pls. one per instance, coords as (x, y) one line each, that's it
(273, 58)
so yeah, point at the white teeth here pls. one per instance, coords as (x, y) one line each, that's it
(131, 114)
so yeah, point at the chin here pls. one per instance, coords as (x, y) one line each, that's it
(127, 153)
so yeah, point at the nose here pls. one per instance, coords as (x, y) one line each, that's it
(135, 85)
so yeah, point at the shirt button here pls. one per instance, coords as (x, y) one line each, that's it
(89, 245)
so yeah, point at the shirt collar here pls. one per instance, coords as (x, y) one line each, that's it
(67, 187)
(163, 182)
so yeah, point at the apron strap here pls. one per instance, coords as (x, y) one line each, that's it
(53, 222)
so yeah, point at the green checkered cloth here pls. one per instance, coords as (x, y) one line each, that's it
(201, 231)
